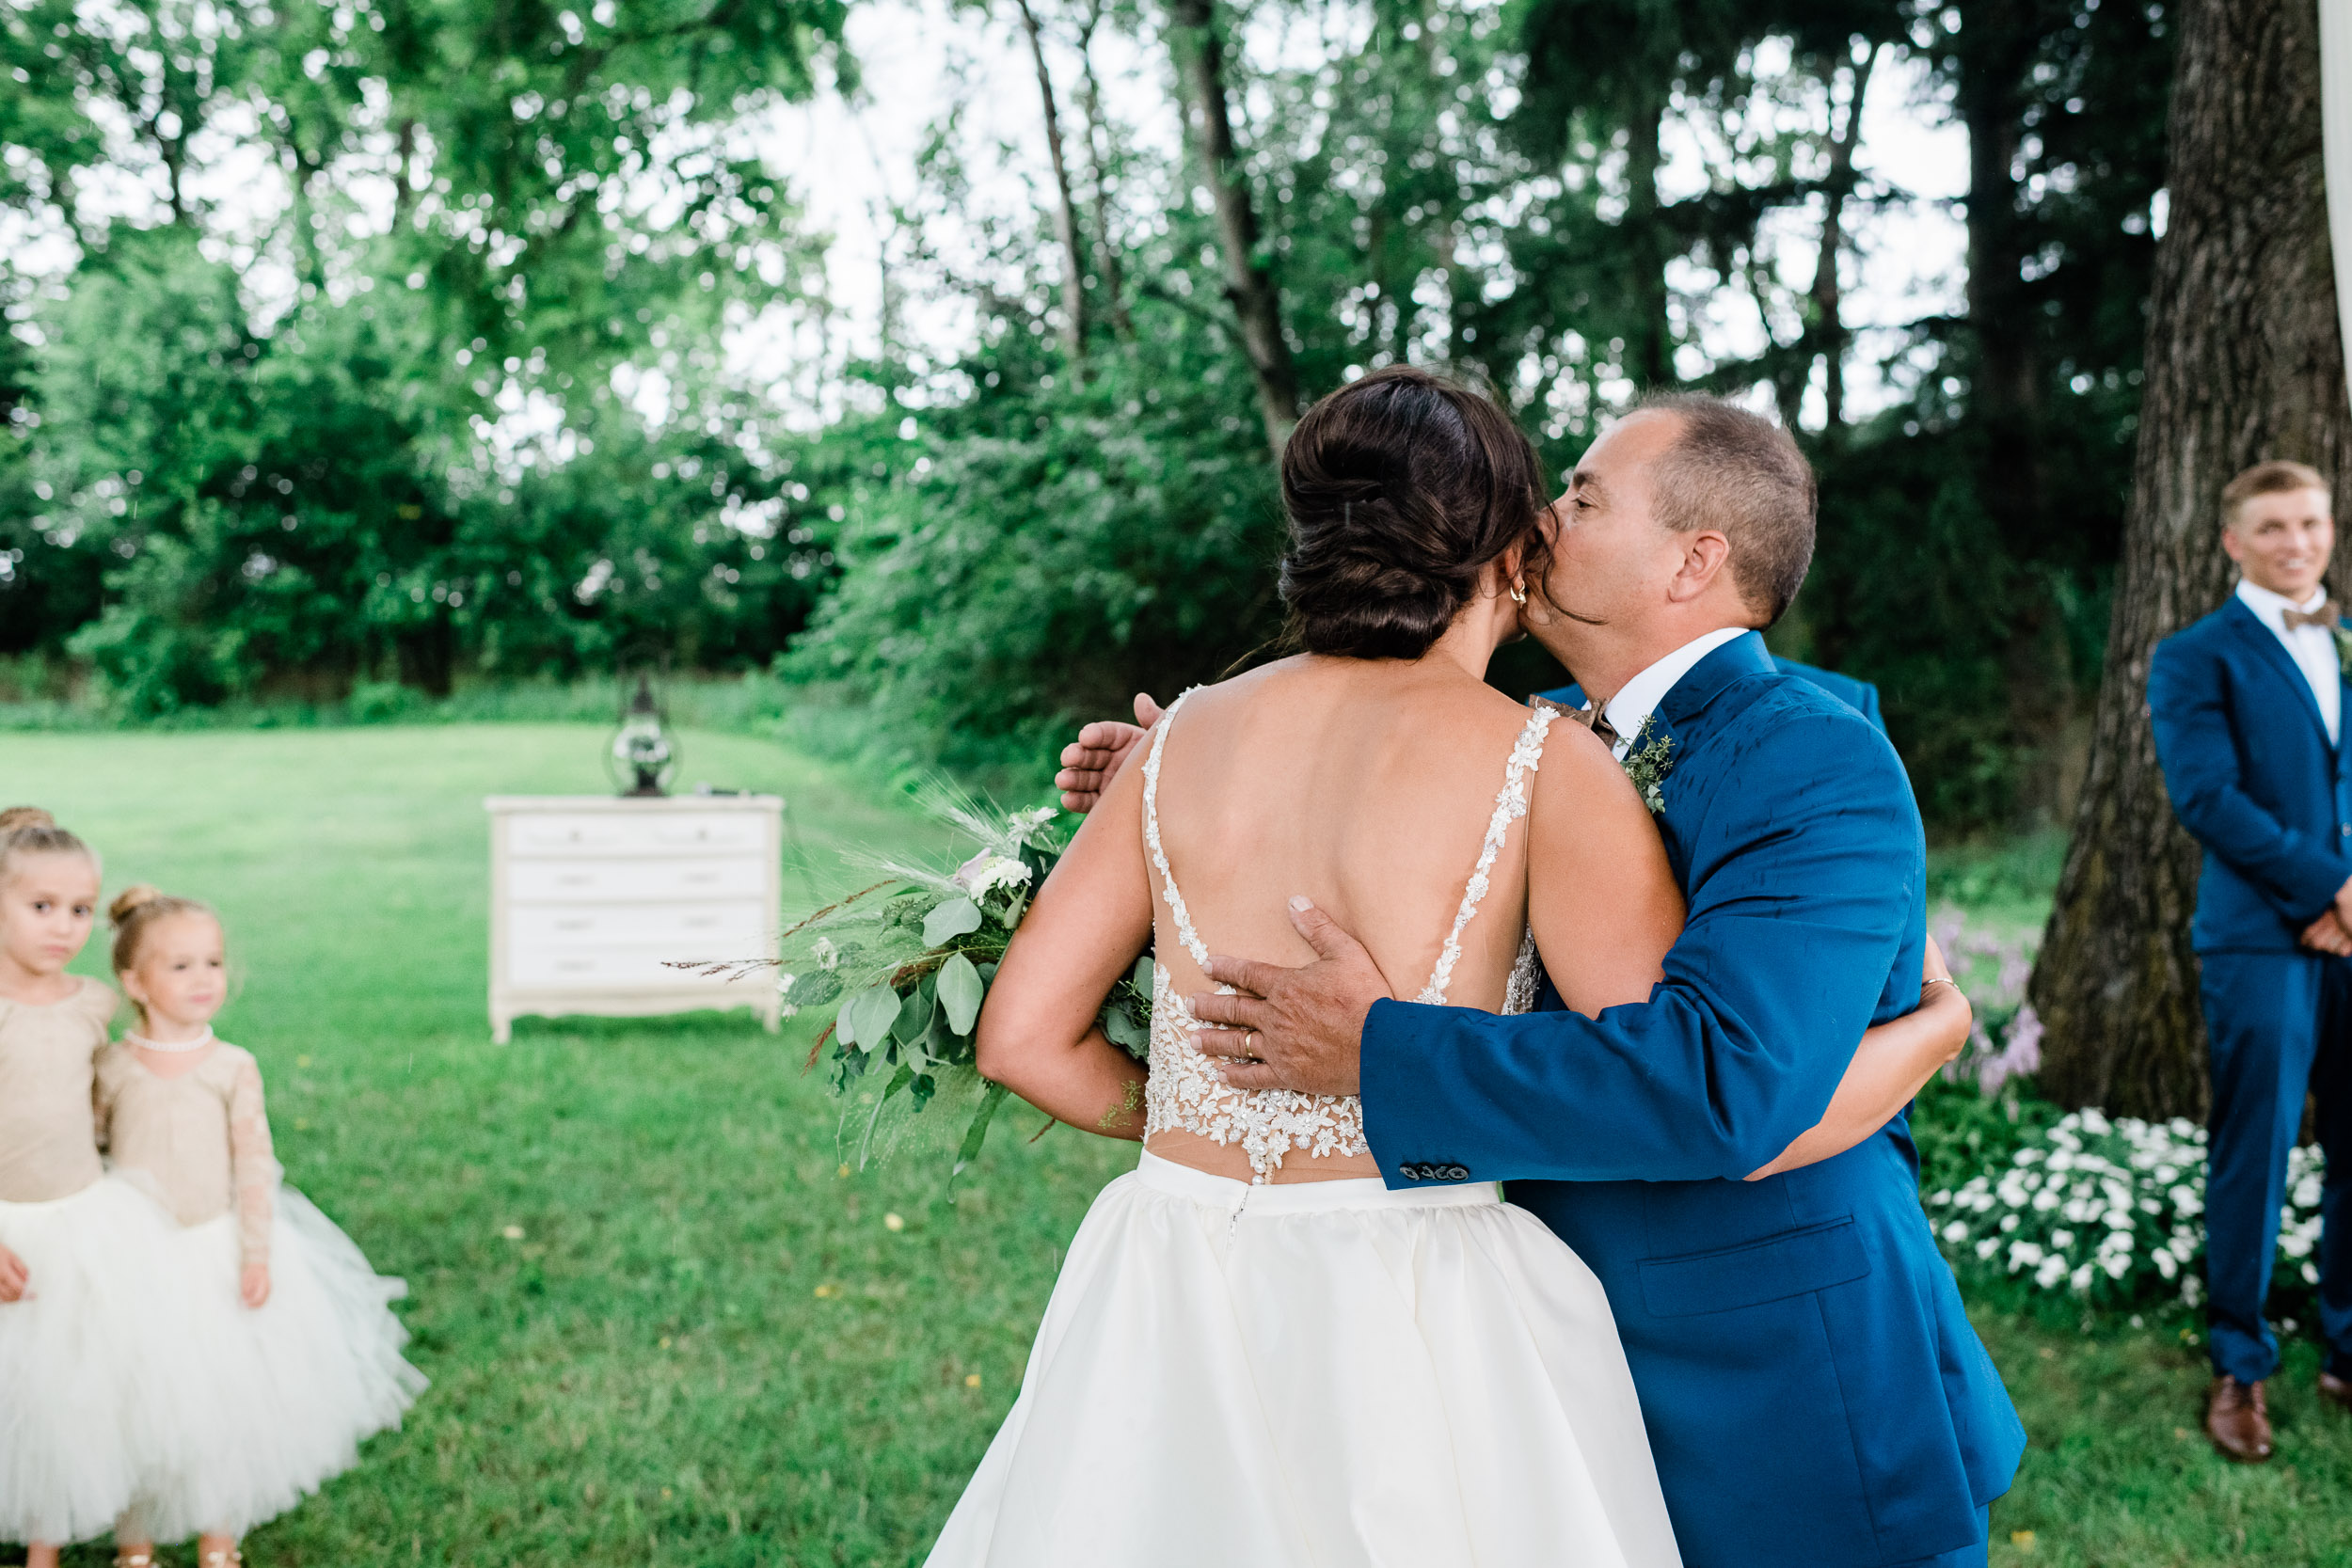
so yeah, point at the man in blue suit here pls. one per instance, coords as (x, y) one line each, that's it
(1861, 696)
(2248, 705)
(1811, 1386)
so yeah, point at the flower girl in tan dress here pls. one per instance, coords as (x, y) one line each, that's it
(291, 1354)
(79, 1249)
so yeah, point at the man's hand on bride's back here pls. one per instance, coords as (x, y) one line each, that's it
(1294, 1028)
(1090, 763)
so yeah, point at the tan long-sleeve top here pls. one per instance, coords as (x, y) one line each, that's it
(200, 1140)
(48, 1144)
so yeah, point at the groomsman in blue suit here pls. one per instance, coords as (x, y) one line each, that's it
(1811, 1387)
(2248, 705)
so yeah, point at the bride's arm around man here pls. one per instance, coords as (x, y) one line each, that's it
(1811, 1386)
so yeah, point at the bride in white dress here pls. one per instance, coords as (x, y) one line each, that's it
(1257, 1353)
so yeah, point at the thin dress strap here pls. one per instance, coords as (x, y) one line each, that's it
(1510, 805)
(1185, 933)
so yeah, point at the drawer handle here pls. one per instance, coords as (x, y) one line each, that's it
(576, 878)
(574, 964)
(573, 925)
(702, 876)
(699, 922)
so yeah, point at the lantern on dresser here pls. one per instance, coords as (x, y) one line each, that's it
(644, 756)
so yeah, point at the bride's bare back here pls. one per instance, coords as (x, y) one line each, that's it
(1367, 786)
(1364, 785)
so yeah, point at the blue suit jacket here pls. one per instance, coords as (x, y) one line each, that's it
(1811, 1386)
(1861, 696)
(2254, 779)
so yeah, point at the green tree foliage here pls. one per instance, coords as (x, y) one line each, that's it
(460, 404)
(383, 430)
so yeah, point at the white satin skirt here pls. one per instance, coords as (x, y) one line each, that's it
(286, 1391)
(1327, 1373)
(82, 1417)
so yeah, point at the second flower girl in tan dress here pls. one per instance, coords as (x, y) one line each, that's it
(290, 1351)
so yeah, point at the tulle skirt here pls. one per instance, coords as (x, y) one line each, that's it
(1321, 1372)
(286, 1391)
(82, 1416)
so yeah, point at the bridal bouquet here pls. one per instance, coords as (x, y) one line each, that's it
(904, 965)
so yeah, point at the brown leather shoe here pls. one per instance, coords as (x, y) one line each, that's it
(2336, 1390)
(2237, 1421)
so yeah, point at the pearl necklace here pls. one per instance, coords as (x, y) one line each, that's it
(170, 1048)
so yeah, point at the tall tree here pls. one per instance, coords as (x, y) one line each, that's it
(1826, 330)
(1073, 282)
(1249, 277)
(2244, 362)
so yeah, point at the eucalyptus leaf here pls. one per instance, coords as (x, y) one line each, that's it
(1124, 1031)
(974, 1133)
(955, 918)
(1141, 979)
(869, 1015)
(960, 994)
(898, 1080)
(915, 1017)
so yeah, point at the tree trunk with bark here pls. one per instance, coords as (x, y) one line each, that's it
(1074, 284)
(1248, 281)
(2244, 363)
(1099, 165)
(1829, 327)
(1650, 358)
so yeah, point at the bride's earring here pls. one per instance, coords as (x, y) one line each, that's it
(1519, 594)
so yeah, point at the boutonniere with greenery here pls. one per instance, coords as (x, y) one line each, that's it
(2343, 649)
(1648, 761)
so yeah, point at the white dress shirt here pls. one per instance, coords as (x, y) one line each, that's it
(1643, 692)
(2312, 648)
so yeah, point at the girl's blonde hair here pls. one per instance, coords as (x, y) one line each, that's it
(30, 831)
(135, 912)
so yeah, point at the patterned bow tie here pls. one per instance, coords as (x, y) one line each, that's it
(2325, 616)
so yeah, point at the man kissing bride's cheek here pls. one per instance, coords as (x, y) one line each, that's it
(1650, 950)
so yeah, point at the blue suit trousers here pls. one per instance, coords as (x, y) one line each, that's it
(2281, 1024)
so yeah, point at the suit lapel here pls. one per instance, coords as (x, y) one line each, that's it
(1711, 676)
(2266, 646)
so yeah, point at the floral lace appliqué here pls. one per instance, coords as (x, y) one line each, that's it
(1184, 1092)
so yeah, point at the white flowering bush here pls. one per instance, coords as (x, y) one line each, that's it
(2110, 1211)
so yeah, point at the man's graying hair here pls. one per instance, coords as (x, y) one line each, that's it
(1740, 473)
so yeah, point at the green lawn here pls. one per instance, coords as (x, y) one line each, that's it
(709, 1348)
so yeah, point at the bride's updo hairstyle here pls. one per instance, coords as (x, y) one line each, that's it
(1402, 488)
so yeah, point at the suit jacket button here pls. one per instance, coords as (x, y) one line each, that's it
(1457, 1173)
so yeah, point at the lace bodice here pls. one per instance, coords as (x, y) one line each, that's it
(1184, 1092)
(199, 1142)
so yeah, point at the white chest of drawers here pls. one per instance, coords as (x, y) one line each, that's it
(591, 899)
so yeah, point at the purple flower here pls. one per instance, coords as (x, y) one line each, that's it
(2024, 1050)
